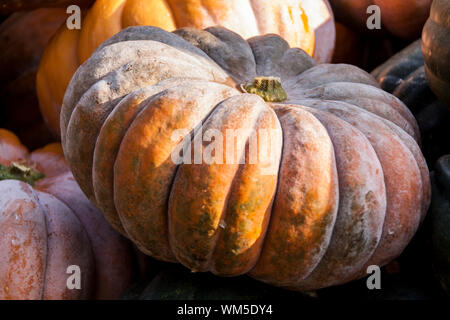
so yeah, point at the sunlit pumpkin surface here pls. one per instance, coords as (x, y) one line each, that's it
(349, 187)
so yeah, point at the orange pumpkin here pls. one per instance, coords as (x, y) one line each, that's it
(307, 24)
(51, 226)
(401, 18)
(344, 185)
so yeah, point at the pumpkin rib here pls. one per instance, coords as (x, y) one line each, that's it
(66, 233)
(362, 205)
(298, 61)
(112, 255)
(267, 51)
(195, 217)
(414, 148)
(309, 223)
(22, 246)
(400, 224)
(337, 91)
(409, 142)
(232, 53)
(239, 240)
(368, 98)
(107, 147)
(108, 143)
(323, 74)
(154, 171)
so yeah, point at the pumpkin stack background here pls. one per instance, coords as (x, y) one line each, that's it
(351, 149)
(401, 22)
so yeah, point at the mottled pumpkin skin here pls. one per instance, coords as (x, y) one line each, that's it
(404, 76)
(308, 24)
(436, 49)
(440, 221)
(403, 19)
(48, 227)
(348, 186)
(23, 36)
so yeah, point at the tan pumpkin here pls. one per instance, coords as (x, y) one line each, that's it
(23, 36)
(51, 226)
(348, 186)
(308, 24)
(436, 49)
(401, 18)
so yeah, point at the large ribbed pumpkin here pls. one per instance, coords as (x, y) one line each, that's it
(307, 24)
(402, 18)
(436, 49)
(348, 186)
(51, 226)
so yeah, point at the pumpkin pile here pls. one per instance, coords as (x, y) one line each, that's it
(404, 76)
(350, 185)
(47, 225)
(216, 138)
(366, 46)
(404, 19)
(308, 24)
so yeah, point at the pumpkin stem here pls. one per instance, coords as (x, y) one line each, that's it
(19, 171)
(268, 88)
